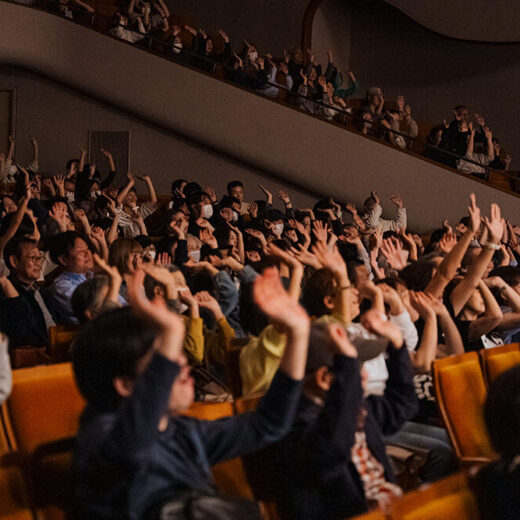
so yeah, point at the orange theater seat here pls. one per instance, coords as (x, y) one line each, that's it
(449, 498)
(41, 417)
(44, 407)
(460, 393)
(229, 476)
(60, 340)
(376, 515)
(13, 502)
(498, 360)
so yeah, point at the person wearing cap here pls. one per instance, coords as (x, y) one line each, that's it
(333, 464)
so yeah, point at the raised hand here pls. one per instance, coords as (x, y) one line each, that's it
(223, 35)
(268, 194)
(110, 270)
(274, 301)
(374, 322)
(396, 199)
(495, 226)
(330, 259)
(106, 153)
(169, 323)
(394, 254)
(447, 242)
(206, 237)
(205, 300)
(284, 197)
(351, 208)
(339, 341)
(163, 259)
(211, 192)
(474, 214)
(253, 209)
(320, 231)
(400, 103)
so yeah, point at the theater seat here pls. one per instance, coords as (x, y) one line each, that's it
(60, 339)
(498, 360)
(230, 476)
(449, 498)
(376, 515)
(14, 500)
(41, 418)
(460, 393)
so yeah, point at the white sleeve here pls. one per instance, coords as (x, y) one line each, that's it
(6, 381)
(407, 328)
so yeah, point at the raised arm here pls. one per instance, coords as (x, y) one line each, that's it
(15, 222)
(448, 267)
(125, 190)
(462, 293)
(491, 317)
(151, 189)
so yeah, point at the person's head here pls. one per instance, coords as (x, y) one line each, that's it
(178, 186)
(208, 46)
(275, 221)
(496, 146)
(9, 204)
(313, 74)
(358, 273)
(374, 96)
(417, 275)
(112, 352)
(319, 374)
(463, 225)
(510, 275)
(435, 135)
(297, 56)
(130, 199)
(23, 257)
(462, 113)
(351, 231)
(200, 205)
(236, 189)
(126, 254)
(89, 297)
(71, 251)
(502, 413)
(149, 249)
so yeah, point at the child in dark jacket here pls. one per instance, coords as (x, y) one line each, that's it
(333, 463)
(134, 450)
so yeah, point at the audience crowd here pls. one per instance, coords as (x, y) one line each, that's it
(341, 311)
(324, 90)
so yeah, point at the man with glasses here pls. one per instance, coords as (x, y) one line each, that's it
(26, 312)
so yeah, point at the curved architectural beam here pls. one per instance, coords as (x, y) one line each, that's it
(476, 20)
(299, 149)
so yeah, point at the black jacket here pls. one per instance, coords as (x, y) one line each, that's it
(316, 478)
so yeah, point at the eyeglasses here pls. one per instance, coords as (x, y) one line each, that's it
(36, 259)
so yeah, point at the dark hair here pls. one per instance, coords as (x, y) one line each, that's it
(26, 226)
(14, 248)
(144, 240)
(228, 201)
(502, 413)
(351, 268)
(318, 286)
(417, 275)
(464, 221)
(86, 296)
(62, 244)
(233, 184)
(177, 184)
(109, 346)
(510, 275)
(191, 188)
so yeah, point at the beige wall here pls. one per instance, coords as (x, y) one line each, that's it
(482, 20)
(272, 26)
(61, 118)
(435, 73)
(271, 138)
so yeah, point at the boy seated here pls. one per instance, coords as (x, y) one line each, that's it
(135, 453)
(333, 464)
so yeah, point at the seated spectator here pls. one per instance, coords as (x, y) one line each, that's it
(203, 47)
(26, 312)
(456, 134)
(135, 402)
(502, 160)
(131, 215)
(120, 27)
(72, 253)
(333, 463)
(498, 482)
(373, 210)
(477, 154)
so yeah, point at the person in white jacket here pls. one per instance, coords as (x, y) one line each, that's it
(373, 211)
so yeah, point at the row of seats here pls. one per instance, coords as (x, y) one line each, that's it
(40, 420)
(461, 384)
